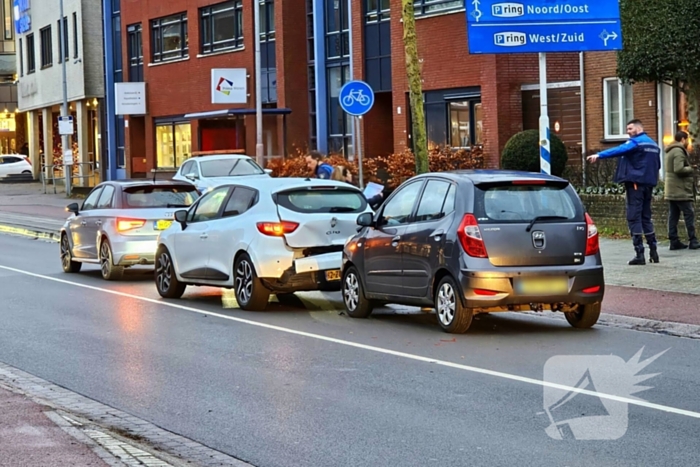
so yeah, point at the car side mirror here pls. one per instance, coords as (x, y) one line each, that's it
(268, 171)
(181, 218)
(191, 176)
(365, 219)
(74, 208)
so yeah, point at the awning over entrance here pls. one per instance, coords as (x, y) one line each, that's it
(234, 112)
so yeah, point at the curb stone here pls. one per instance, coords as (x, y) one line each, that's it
(28, 232)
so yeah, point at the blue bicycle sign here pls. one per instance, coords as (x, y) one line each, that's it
(356, 98)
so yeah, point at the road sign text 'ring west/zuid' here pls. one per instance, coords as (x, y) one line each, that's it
(542, 26)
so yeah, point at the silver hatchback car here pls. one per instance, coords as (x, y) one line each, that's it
(119, 222)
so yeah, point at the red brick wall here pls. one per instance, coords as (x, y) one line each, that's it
(597, 67)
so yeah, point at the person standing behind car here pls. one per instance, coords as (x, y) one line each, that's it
(679, 191)
(314, 161)
(343, 174)
(638, 169)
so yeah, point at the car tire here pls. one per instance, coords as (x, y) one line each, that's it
(67, 262)
(356, 304)
(26, 172)
(585, 317)
(109, 271)
(452, 316)
(166, 280)
(251, 294)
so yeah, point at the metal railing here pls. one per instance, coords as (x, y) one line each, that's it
(54, 174)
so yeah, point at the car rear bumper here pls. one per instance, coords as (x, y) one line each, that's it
(489, 289)
(134, 251)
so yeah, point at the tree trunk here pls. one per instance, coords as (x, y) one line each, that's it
(693, 94)
(413, 71)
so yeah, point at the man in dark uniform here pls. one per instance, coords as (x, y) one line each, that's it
(638, 170)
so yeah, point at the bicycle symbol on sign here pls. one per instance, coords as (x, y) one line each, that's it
(356, 96)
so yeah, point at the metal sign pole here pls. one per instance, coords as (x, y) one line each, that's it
(258, 88)
(65, 143)
(358, 122)
(545, 152)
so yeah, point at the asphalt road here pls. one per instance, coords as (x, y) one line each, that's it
(295, 386)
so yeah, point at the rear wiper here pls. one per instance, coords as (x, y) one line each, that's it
(544, 218)
(341, 209)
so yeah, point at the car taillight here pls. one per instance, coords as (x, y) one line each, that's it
(592, 243)
(129, 224)
(29, 161)
(277, 229)
(470, 236)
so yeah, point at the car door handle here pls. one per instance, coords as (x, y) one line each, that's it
(98, 222)
(396, 239)
(83, 223)
(204, 236)
(437, 234)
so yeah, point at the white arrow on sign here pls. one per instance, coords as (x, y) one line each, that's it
(606, 36)
(477, 12)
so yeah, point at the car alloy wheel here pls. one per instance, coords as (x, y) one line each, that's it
(251, 293)
(109, 271)
(351, 292)
(244, 281)
(67, 257)
(446, 304)
(356, 305)
(164, 272)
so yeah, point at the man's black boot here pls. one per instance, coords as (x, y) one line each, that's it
(638, 260)
(694, 244)
(678, 245)
(653, 255)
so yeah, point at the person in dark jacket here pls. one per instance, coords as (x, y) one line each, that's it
(314, 160)
(679, 191)
(638, 169)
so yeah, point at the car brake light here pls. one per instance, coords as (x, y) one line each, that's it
(488, 293)
(129, 224)
(592, 243)
(277, 229)
(594, 289)
(470, 237)
(29, 161)
(529, 182)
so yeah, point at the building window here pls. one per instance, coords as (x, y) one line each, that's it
(466, 123)
(66, 48)
(21, 59)
(268, 56)
(173, 144)
(222, 26)
(618, 107)
(169, 38)
(46, 47)
(75, 35)
(427, 7)
(377, 10)
(7, 14)
(31, 54)
(135, 53)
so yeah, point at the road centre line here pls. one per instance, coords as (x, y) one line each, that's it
(472, 369)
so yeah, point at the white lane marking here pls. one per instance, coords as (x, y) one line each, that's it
(472, 369)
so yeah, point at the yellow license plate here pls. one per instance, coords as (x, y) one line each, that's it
(543, 286)
(162, 225)
(333, 275)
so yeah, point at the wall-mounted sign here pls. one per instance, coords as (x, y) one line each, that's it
(130, 98)
(23, 21)
(229, 86)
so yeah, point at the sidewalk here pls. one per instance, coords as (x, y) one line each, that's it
(28, 437)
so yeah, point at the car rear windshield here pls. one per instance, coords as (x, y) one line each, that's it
(523, 203)
(230, 168)
(323, 201)
(177, 196)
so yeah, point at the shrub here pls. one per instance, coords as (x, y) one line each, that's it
(522, 152)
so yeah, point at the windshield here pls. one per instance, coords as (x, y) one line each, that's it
(516, 203)
(230, 168)
(323, 201)
(179, 196)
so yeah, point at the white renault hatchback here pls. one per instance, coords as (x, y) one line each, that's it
(259, 237)
(207, 172)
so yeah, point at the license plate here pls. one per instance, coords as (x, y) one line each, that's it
(162, 225)
(543, 286)
(333, 275)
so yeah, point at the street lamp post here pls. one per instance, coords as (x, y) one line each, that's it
(258, 87)
(65, 139)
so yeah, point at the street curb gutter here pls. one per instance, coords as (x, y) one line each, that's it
(29, 232)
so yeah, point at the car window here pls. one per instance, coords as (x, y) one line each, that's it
(324, 200)
(210, 205)
(450, 200)
(105, 200)
(91, 201)
(516, 203)
(163, 196)
(186, 168)
(240, 201)
(432, 201)
(230, 168)
(398, 209)
(12, 160)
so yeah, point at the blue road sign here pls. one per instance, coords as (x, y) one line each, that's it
(356, 98)
(491, 11)
(536, 38)
(543, 26)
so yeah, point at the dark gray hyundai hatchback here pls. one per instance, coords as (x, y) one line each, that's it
(468, 242)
